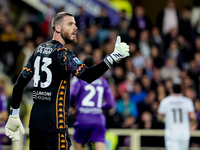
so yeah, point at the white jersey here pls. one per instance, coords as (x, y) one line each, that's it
(176, 109)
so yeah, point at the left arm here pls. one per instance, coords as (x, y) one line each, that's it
(108, 96)
(193, 119)
(93, 73)
(161, 111)
(160, 117)
(192, 115)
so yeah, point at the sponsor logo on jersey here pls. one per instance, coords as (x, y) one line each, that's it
(77, 60)
(40, 95)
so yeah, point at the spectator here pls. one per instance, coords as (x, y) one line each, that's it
(113, 118)
(118, 75)
(144, 43)
(157, 78)
(148, 67)
(146, 121)
(185, 26)
(133, 49)
(171, 36)
(123, 30)
(195, 46)
(126, 107)
(140, 21)
(123, 15)
(132, 36)
(138, 95)
(157, 57)
(138, 60)
(128, 84)
(82, 19)
(8, 44)
(192, 75)
(161, 92)
(23, 57)
(173, 52)
(138, 73)
(147, 104)
(185, 51)
(48, 14)
(156, 38)
(129, 123)
(81, 40)
(146, 83)
(97, 55)
(190, 93)
(169, 70)
(103, 21)
(93, 38)
(168, 85)
(168, 18)
(195, 32)
(197, 112)
(3, 20)
(128, 65)
(195, 12)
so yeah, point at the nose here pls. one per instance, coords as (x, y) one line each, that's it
(75, 27)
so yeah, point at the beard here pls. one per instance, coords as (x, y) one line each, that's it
(66, 38)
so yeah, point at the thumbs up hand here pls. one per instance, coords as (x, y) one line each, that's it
(121, 51)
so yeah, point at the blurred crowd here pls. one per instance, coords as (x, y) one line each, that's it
(161, 54)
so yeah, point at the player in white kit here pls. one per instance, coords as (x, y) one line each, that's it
(179, 113)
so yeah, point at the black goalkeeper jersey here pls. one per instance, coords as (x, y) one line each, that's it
(50, 66)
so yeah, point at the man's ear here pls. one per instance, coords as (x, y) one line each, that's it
(58, 28)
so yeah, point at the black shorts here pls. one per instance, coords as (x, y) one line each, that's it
(43, 140)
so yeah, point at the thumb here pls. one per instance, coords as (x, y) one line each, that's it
(21, 129)
(118, 40)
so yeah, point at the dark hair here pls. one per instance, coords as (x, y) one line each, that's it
(176, 88)
(58, 19)
(88, 61)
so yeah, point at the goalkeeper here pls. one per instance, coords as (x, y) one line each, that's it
(50, 66)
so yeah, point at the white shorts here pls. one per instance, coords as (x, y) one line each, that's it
(171, 144)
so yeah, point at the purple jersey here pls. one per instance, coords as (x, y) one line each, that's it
(90, 99)
(3, 107)
(3, 103)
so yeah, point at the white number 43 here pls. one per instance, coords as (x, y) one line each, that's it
(44, 67)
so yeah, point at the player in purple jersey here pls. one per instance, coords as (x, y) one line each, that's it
(89, 100)
(50, 66)
(3, 110)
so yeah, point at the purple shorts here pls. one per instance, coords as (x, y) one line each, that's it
(85, 133)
